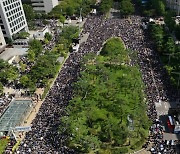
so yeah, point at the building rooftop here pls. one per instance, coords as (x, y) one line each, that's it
(11, 52)
(14, 115)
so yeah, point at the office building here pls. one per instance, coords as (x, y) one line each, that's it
(174, 5)
(12, 17)
(2, 41)
(44, 5)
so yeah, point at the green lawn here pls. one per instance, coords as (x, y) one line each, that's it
(3, 144)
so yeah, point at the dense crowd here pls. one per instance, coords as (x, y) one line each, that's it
(55, 38)
(4, 102)
(6, 99)
(45, 137)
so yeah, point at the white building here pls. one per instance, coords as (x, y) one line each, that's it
(2, 41)
(174, 5)
(44, 5)
(41, 33)
(12, 17)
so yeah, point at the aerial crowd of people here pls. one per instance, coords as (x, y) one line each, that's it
(4, 102)
(45, 136)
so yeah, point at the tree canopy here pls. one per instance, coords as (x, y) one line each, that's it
(45, 68)
(48, 36)
(8, 72)
(169, 51)
(21, 35)
(126, 7)
(107, 94)
(68, 34)
(105, 6)
(36, 46)
(154, 8)
(29, 12)
(70, 7)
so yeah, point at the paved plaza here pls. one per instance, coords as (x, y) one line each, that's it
(11, 52)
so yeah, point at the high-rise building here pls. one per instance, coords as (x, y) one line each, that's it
(12, 17)
(2, 41)
(174, 5)
(44, 5)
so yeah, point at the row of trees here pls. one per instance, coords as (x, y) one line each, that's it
(45, 65)
(153, 7)
(74, 7)
(163, 36)
(168, 50)
(108, 112)
(70, 7)
(8, 73)
(126, 6)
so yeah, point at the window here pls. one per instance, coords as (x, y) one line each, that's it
(4, 32)
(2, 27)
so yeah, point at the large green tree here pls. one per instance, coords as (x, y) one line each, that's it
(25, 81)
(29, 12)
(169, 46)
(36, 46)
(105, 6)
(126, 7)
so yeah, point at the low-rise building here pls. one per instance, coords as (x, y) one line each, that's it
(44, 5)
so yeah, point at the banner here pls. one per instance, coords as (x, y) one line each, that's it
(22, 129)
